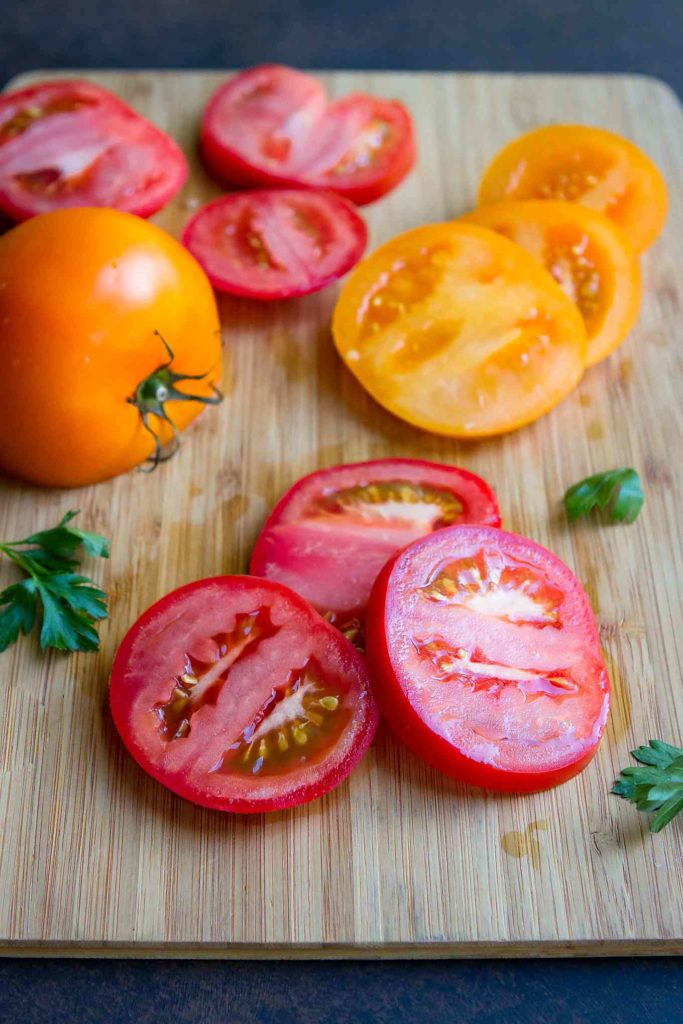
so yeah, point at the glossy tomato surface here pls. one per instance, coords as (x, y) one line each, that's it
(236, 695)
(73, 143)
(273, 127)
(86, 297)
(276, 244)
(485, 657)
(588, 255)
(459, 331)
(334, 530)
(586, 165)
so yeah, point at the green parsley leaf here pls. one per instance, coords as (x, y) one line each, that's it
(18, 608)
(71, 604)
(656, 787)
(62, 541)
(617, 492)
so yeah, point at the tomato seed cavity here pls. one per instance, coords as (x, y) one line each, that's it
(202, 681)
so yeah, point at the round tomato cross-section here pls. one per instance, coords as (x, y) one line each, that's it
(273, 127)
(486, 660)
(276, 244)
(586, 165)
(587, 254)
(459, 331)
(73, 143)
(334, 530)
(236, 695)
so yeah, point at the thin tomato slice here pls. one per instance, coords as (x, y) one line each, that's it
(272, 126)
(334, 530)
(236, 695)
(586, 253)
(276, 244)
(586, 165)
(459, 331)
(72, 143)
(485, 658)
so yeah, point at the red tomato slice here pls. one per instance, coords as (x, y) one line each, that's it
(272, 126)
(72, 143)
(236, 695)
(276, 245)
(334, 530)
(486, 660)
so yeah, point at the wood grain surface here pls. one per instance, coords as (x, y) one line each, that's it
(96, 858)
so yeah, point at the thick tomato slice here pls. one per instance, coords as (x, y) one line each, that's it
(334, 530)
(586, 253)
(276, 244)
(272, 126)
(236, 695)
(72, 143)
(458, 330)
(485, 657)
(584, 165)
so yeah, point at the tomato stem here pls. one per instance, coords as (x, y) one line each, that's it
(151, 396)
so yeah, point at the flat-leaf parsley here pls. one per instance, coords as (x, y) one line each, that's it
(71, 604)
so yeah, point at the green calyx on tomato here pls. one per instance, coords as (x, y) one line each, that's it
(151, 396)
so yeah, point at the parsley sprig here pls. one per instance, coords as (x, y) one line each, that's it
(656, 787)
(617, 492)
(71, 604)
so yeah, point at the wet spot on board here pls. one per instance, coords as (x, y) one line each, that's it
(656, 472)
(625, 370)
(525, 844)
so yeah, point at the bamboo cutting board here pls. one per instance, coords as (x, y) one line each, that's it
(96, 858)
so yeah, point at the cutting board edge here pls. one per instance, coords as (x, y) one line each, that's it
(638, 78)
(352, 951)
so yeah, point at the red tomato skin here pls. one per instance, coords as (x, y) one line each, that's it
(407, 725)
(303, 795)
(175, 165)
(224, 284)
(227, 166)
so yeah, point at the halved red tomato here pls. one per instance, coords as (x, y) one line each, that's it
(272, 126)
(485, 658)
(334, 530)
(73, 143)
(276, 244)
(236, 695)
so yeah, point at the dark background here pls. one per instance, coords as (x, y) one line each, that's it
(440, 35)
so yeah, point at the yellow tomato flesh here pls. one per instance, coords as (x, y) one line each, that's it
(459, 331)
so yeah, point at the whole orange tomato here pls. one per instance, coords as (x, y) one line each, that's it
(109, 345)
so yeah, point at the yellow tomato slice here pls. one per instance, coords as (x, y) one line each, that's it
(588, 256)
(458, 330)
(585, 165)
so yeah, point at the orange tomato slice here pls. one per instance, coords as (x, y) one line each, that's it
(585, 165)
(588, 256)
(459, 331)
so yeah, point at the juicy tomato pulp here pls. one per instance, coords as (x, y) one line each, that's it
(584, 165)
(272, 126)
(586, 253)
(76, 144)
(331, 534)
(235, 694)
(459, 331)
(276, 244)
(485, 657)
